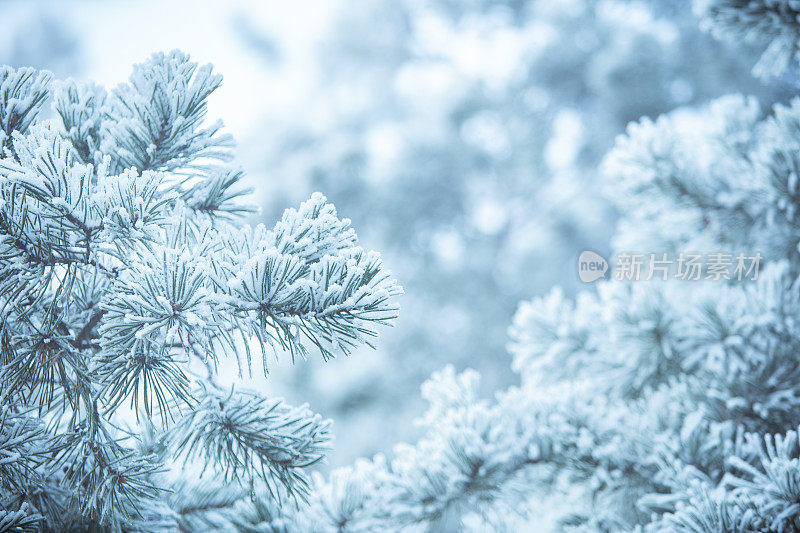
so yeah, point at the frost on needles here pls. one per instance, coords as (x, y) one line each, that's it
(773, 25)
(127, 276)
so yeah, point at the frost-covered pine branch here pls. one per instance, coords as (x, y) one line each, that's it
(127, 278)
(771, 24)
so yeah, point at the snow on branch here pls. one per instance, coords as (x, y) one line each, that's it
(126, 278)
(246, 436)
(22, 93)
(772, 24)
(155, 120)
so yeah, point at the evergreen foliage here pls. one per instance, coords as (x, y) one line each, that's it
(772, 24)
(127, 276)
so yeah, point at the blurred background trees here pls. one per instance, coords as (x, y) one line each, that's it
(464, 138)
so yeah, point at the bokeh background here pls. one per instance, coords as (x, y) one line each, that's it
(462, 137)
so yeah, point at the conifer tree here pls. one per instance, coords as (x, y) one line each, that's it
(127, 278)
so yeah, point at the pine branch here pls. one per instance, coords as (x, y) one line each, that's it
(114, 243)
